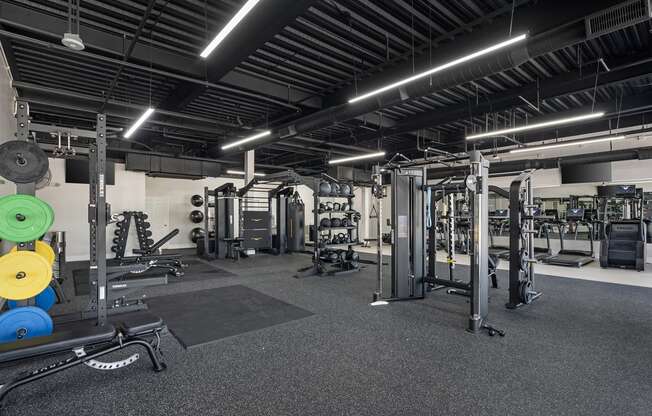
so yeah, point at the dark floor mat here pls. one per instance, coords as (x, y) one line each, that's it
(80, 278)
(198, 267)
(197, 318)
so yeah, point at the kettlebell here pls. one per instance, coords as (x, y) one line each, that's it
(344, 222)
(322, 208)
(337, 206)
(345, 207)
(336, 239)
(329, 206)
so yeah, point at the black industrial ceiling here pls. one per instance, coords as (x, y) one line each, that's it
(291, 66)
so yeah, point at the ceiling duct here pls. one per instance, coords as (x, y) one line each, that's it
(618, 17)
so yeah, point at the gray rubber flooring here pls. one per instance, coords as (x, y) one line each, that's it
(584, 348)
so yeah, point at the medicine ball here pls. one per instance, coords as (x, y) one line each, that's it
(345, 189)
(335, 188)
(325, 223)
(336, 222)
(333, 257)
(196, 216)
(196, 233)
(352, 257)
(322, 208)
(197, 200)
(324, 188)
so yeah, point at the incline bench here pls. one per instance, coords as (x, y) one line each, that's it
(86, 342)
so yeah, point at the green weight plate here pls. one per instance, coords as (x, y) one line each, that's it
(22, 161)
(24, 218)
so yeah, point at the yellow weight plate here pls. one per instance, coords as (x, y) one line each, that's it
(43, 249)
(23, 275)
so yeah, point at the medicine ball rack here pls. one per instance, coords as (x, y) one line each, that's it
(325, 190)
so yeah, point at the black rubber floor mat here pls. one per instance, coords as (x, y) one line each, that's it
(200, 317)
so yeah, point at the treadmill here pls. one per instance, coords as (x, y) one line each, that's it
(543, 221)
(500, 216)
(572, 258)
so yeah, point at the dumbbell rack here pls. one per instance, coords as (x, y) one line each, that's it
(320, 267)
(122, 233)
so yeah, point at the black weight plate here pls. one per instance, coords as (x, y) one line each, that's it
(22, 162)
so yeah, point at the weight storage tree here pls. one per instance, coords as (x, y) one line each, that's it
(335, 231)
(35, 334)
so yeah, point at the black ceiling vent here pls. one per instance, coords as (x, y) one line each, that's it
(625, 14)
(168, 167)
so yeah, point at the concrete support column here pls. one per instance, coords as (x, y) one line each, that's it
(249, 161)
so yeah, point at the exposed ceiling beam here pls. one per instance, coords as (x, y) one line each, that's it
(575, 82)
(261, 24)
(567, 29)
(103, 44)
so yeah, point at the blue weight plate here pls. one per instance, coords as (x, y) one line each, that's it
(44, 300)
(24, 323)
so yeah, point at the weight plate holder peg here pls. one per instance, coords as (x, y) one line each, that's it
(42, 248)
(22, 161)
(44, 300)
(23, 275)
(24, 323)
(24, 218)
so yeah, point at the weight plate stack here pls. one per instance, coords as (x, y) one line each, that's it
(44, 300)
(24, 323)
(42, 248)
(22, 161)
(24, 218)
(23, 275)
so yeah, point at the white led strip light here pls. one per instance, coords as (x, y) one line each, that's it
(352, 158)
(246, 140)
(440, 68)
(138, 122)
(229, 27)
(536, 126)
(566, 144)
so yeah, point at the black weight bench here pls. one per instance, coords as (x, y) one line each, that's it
(86, 342)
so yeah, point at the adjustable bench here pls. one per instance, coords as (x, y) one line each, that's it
(86, 342)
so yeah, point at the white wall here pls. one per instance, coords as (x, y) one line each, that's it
(7, 97)
(167, 202)
(7, 124)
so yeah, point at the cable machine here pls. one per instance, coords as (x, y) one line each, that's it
(412, 214)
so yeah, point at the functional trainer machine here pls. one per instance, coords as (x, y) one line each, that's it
(412, 215)
(86, 341)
